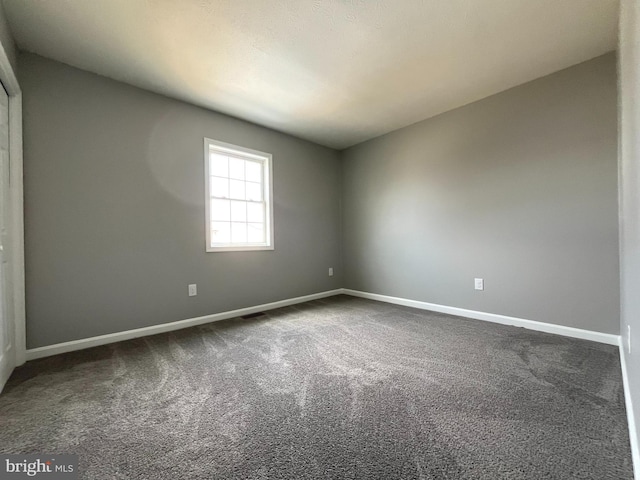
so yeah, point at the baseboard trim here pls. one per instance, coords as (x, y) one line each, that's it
(57, 348)
(492, 317)
(633, 432)
(49, 350)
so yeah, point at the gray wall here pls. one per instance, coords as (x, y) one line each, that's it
(6, 39)
(114, 209)
(630, 202)
(519, 188)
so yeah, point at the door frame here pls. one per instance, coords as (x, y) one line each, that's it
(15, 283)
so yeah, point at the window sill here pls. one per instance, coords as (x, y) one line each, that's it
(248, 248)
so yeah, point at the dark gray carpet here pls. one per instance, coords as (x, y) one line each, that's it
(335, 388)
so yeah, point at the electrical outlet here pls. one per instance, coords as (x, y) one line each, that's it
(331, 271)
(629, 339)
(479, 283)
(193, 290)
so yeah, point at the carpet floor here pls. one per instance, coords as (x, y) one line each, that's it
(335, 388)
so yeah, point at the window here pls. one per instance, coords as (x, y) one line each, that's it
(239, 209)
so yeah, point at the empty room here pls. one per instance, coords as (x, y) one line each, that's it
(320, 239)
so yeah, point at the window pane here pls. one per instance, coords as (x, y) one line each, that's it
(218, 165)
(220, 210)
(254, 191)
(255, 212)
(236, 168)
(220, 232)
(253, 171)
(219, 187)
(236, 189)
(239, 196)
(239, 232)
(255, 232)
(238, 211)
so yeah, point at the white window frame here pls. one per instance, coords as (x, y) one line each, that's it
(267, 159)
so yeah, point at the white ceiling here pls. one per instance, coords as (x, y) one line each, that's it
(336, 72)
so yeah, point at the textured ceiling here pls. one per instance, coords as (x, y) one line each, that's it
(334, 72)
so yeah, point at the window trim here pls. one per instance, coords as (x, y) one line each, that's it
(268, 195)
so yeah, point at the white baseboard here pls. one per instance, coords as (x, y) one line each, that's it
(81, 344)
(57, 348)
(492, 317)
(633, 432)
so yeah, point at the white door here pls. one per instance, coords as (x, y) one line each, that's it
(7, 352)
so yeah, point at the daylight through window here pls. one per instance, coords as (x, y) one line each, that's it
(238, 196)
